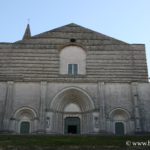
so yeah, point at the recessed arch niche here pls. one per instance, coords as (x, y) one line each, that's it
(72, 97)
(69, 104)
(25, 117)
(72, 54)
(119, 118)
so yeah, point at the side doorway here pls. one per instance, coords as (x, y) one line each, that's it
(24, 127)
(119, 129)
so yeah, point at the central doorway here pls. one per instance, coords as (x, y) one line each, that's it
(72, 125)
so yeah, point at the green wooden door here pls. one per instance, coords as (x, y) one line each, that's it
(24, 127)
(119, 128)
(72, 125)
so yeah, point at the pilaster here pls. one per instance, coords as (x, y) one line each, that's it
(8, 106)
(136, 107)
(42, 107)
(101, 97)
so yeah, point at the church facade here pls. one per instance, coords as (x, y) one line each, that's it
(72, 80)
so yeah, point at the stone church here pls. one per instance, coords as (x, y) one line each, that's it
(73, 80)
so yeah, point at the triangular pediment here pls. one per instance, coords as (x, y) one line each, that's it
(78, 32)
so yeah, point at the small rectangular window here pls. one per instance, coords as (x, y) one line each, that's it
(72, 69)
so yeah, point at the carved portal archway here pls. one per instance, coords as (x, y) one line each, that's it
(72, 102)
(119, 117)
(24, 120)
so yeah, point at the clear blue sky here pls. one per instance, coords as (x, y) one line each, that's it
(126, 20)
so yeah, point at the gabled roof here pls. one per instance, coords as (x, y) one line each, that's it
(71, 30)
(37, 58)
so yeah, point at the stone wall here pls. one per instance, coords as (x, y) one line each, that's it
(133, 99)
(38, 58)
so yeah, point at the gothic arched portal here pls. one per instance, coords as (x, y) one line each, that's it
(120, 120)
(72, 111)
(24, 120)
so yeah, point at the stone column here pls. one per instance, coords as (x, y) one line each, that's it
(8, 106)
(34, 124)
(42, 107)
(136, 107)
(101, 97)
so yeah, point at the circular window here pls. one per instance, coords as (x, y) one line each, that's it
(72, 40)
